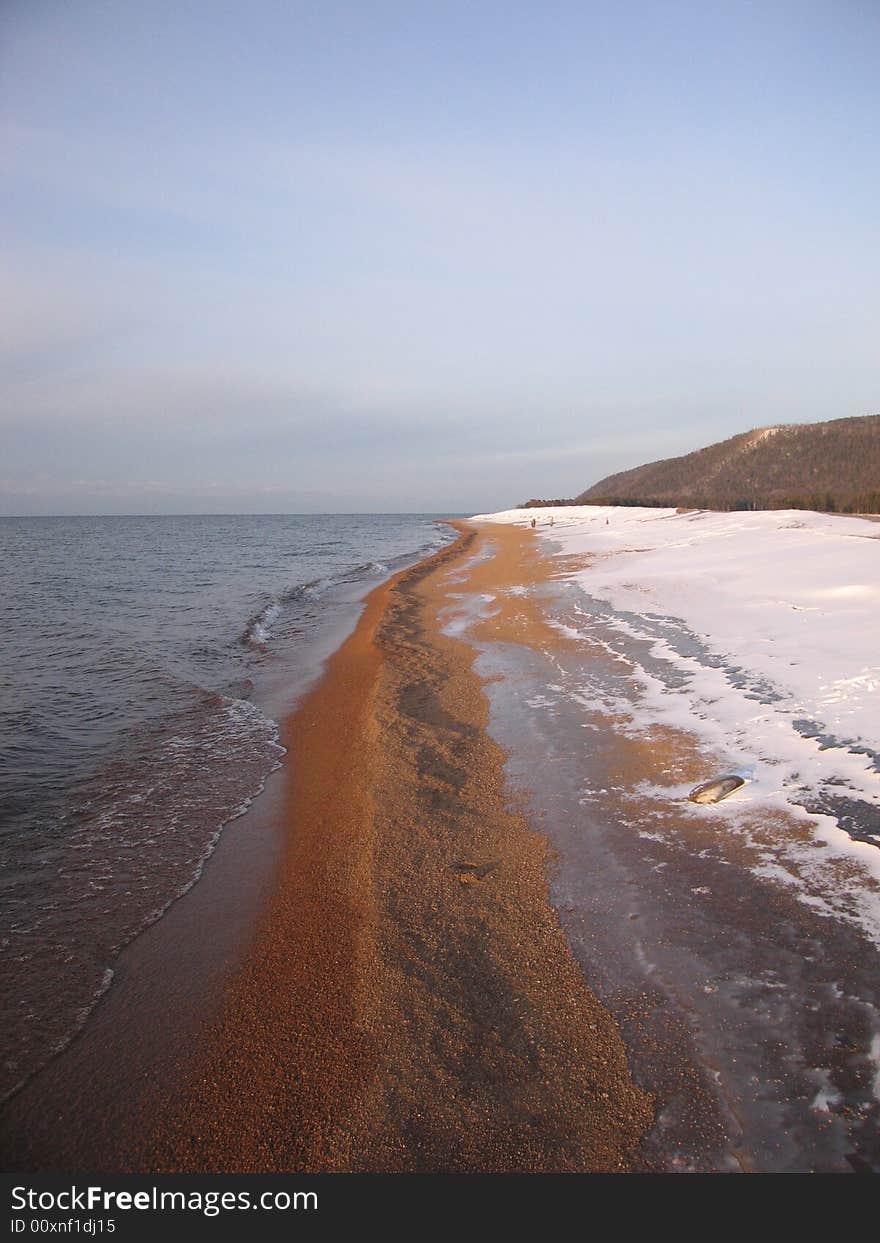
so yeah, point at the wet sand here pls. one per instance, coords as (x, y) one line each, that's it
(410, 1002)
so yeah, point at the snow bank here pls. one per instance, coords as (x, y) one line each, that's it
(792, 595)
(771, 620)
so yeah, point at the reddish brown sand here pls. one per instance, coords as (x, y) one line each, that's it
(410, 1002)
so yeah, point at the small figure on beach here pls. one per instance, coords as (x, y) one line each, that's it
(534, 523)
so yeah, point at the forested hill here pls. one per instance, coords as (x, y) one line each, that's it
(831, 466)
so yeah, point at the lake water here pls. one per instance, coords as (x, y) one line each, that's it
(145, 663)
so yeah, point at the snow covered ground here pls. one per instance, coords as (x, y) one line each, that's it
(764, 636)
(698, 644)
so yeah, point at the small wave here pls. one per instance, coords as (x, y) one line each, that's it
(256, 632)
(364, 571)
(307, 591)
(259, 627)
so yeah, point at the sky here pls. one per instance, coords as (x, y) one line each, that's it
(423, 256)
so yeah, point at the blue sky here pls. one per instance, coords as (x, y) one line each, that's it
(423, 256)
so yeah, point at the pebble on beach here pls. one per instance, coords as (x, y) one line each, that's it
(717, 789)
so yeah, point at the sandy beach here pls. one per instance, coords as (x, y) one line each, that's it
(410, 1002)
(475, 928)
